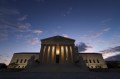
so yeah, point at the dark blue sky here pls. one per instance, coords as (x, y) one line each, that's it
(24, 22)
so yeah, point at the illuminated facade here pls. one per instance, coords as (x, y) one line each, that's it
(59, 50)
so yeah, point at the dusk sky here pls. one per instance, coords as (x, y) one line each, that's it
(24, 22)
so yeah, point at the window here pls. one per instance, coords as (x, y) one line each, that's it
(21, 60)
(93, 60)
(25, 60)
(17, 60)
(22, 66)
(90, 60)
(98, 61)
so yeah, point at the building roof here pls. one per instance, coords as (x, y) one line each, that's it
(90, 53)
(28, 53)
(57, 38)
(39, 53)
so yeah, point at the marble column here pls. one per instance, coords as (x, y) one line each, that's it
(69, 54)
(53, 50)
(50, 55)
(41, 53)
(60, 61)
(45, 55)
(73, 53)
(55, 55)
(64, 55)
(66, 48)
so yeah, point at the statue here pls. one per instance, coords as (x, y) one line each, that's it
(31, 62)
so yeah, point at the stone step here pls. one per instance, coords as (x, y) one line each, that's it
(56, 68)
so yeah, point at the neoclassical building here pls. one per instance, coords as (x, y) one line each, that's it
(60, 51)
(57, 50)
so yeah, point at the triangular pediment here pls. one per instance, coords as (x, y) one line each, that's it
(58, 39)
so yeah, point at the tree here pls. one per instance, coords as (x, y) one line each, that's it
(3, 66)
(13, 65)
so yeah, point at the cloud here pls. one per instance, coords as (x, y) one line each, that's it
(24, 36)
(33, 41)
(65, 35)
(68, 11)
(111, 52)
(23, 18)
(28, 39)
(114, 49)
(98, 34)
(8, 19)
(16, 26)
(9, 11)
(106, 29)
(19, 36)
(10, 22)
(23, 27)
(113, 58)
(115, 40)
(4, 59)
(95, 35)
(106, 21)
(3, 36)
(82, 47)
(1, 55)
(38, 32)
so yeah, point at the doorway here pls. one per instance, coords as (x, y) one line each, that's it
(57, 59)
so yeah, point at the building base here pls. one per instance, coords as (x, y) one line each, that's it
(56, 68)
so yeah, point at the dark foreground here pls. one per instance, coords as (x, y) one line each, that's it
(60, 75)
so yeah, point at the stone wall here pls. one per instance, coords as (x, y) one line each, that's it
(93, 60)
(20, 60)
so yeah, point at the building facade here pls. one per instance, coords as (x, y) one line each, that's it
(58, 50)
(20, 60)
(93, 60)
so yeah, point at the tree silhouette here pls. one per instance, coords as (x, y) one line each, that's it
(13, 65)
(3, 66)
